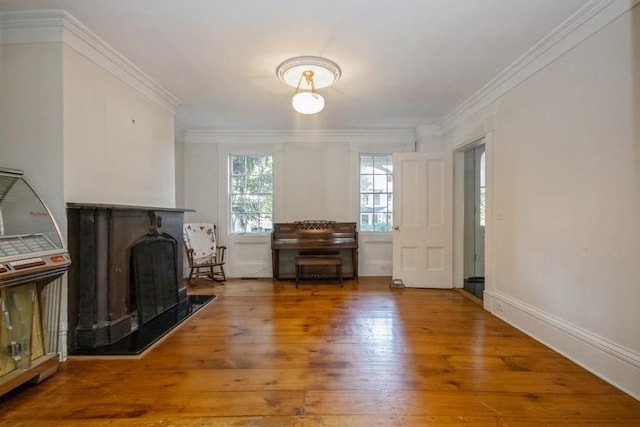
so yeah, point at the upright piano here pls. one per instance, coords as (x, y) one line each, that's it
(314, 237)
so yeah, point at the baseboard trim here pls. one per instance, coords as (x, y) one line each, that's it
(613, 363)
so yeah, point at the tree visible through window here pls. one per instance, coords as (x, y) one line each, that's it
(251, 193)
(376, 192)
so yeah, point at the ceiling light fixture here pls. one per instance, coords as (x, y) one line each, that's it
(307, 102)
(306, 74)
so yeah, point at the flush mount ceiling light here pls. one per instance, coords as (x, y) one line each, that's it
(306, 74)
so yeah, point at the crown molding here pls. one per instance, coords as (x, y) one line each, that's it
(39, 26)
(589, 19)
(58, 26)
(300, 136)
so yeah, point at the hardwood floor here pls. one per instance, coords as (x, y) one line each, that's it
(363, 355)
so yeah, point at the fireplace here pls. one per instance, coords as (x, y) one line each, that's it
(154, 276)
(126, 278)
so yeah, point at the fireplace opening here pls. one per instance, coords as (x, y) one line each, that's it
(154, 277)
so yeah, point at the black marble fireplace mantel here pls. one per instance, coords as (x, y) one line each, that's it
(72, 205)
(102, 284)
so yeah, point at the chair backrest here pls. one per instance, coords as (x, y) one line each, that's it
(201, 238)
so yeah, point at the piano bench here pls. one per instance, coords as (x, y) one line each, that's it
(318, 261)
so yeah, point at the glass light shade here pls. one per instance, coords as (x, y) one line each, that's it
(307, 102)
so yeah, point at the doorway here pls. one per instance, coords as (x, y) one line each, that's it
(474, 219)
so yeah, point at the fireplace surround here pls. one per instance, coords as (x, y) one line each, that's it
(126, 275)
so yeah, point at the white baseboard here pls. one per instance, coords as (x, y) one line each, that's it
(613, 363)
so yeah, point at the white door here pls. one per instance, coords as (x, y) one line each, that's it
(422, 236)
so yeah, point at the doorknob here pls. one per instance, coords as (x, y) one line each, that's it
(396, 227)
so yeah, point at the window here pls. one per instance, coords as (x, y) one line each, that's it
(251, 193)
(376, 192)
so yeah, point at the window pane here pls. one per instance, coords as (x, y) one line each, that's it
(366, 183)
(382, 201)
(380, 183)
(382, 164)
(238, 166)
(265, 184)
(366, 202)
(389, 221)
(251, 194)
(366, 164)
(238, 184)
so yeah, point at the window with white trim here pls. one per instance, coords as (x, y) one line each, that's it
(250, 193)
(376, 192)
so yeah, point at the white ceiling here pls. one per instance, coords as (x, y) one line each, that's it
(404, 63)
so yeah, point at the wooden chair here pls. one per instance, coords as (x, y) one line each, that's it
(206, 258)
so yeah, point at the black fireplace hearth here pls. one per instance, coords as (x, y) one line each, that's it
(150, 332)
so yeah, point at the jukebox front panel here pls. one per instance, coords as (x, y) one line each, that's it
(16, 304)
(32, 257)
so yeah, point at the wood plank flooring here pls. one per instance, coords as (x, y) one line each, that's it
(265, 354)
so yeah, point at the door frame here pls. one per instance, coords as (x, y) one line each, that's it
(458, 210)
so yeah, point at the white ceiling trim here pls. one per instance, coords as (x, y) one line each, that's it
(58, 26)
(307, 136)
(31, 27)
(592, 17)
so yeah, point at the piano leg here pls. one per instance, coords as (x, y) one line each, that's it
(354, 260)
(275, 261)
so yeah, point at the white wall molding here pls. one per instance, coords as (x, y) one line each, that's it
(58, 26)
(616, 364)
(592, 17)
(311, 136)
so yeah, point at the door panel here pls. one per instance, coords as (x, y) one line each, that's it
(473, 210)
(422, 238)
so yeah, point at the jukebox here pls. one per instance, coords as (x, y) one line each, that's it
(32, 260)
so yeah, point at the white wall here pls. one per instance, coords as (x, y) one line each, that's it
(566, 203)
(180, 172)
(315, 177)
(31, 122)
(119, 145)
(201, 182)
(316, 183)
